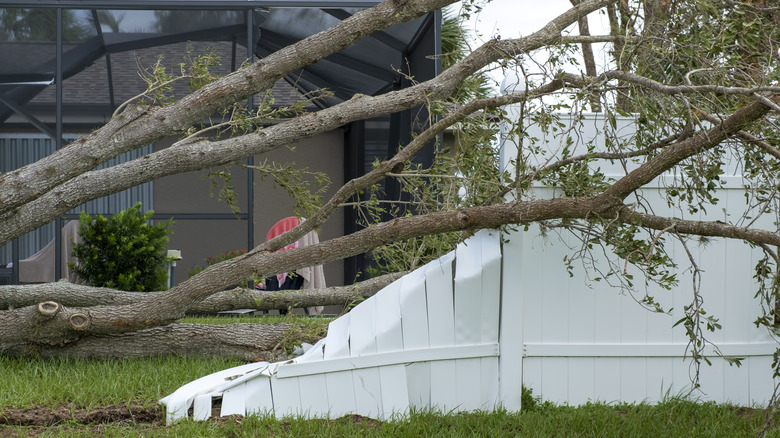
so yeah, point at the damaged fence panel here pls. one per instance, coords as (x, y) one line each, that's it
(467, 331)
(419, 343)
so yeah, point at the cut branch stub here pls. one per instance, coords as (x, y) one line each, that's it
(49, 308)
(398, 168)
(79, 321)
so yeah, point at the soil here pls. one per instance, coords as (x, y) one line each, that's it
(38, 419)
(93, 420)
(50, 416)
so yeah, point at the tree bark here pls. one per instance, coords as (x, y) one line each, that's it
(588, 58)
(76, 295)
(239, 341)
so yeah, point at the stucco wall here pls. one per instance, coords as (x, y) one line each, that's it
(189, 193)
(324, 153)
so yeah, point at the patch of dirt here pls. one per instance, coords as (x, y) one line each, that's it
(49, 416)
(367, 422)
(360, 421)
(743, 412)
(93, 420)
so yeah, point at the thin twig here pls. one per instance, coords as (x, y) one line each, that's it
(138, 96)
(767, 102)
(744, 135)
(650, 250)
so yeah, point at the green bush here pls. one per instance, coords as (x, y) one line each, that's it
(123, 252)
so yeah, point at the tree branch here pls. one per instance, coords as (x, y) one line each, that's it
(238, 341)
(687, 89)
(141, 125)
(768, 148)
(688, 147)
(701, 228)
(609, 155)
(203, 154)
(76, 295)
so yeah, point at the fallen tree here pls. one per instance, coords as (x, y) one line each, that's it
(65, 319)
(74, 295)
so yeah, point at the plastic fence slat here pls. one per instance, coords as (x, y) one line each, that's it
(441, 314)
(234, 401)
(491, 285)
(258, 396)
(337, 340)
(287, 397)
(468, 297)
(341, 393)
(389, 336)
(314, 395)
(201, 407)
(395, 398)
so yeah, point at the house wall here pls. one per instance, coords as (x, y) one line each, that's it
(188, 193)
(324, 153)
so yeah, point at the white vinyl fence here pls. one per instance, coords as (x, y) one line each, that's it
(467, 331)
(428, 340)
(586, 340)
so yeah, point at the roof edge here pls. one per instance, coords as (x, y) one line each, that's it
(186, 4)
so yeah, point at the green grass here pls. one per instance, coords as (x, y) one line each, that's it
(32, 382)
(90, 384)
(674, 418)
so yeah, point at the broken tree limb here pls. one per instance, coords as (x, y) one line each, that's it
(64, 293)
(238, 341)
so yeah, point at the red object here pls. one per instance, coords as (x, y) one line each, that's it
(282, 227)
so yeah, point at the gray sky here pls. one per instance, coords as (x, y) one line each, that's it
(516, 18)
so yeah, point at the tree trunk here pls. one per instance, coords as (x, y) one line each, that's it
(240, 341)
(75, 295)
(588, 58)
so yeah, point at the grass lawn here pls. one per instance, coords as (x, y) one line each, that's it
(67, 397)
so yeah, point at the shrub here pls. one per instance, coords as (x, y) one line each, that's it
(124, 252)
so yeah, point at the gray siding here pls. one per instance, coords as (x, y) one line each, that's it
(17, 150)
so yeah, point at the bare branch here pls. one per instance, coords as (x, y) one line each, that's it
(649, 255)
(766, 101)
(687, 89)
(591, 39)
(701, 228)
(745, 136)
(686, 148)
(202, 154)
(587, 54)
(610, 155)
